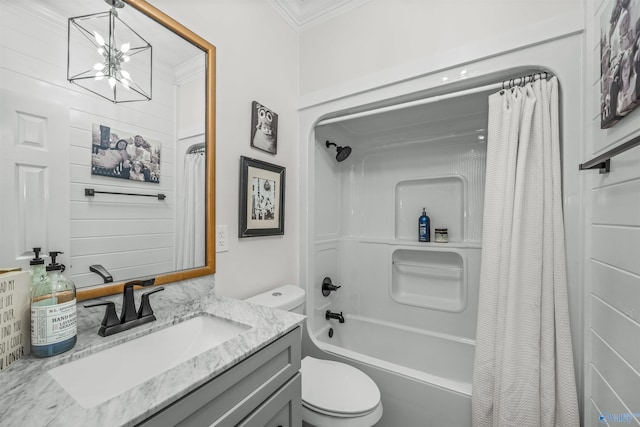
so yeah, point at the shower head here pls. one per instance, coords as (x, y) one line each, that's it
(342, 152)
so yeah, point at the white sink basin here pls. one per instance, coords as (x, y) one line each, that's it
(101, 376)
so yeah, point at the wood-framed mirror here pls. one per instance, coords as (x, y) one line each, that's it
(46, 120)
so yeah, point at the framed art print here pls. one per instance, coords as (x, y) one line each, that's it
(261, 198)
(619, 61)
(264, 128)
(124, 155)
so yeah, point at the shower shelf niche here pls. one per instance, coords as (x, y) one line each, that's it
(444, 198)
(429, 278)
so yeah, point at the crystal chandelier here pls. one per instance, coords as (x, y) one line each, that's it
(108, 58)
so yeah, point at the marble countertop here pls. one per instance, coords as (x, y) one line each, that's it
(31, 397)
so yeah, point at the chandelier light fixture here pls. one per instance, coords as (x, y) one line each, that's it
(108, 58)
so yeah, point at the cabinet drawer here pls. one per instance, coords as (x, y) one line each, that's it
(283, 409)
(234, 394)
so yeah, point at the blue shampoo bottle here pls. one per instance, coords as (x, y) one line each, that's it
(424, 227)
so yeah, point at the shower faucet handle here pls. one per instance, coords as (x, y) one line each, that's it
(328, 287)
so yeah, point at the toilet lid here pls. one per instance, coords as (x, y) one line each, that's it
(337, 388)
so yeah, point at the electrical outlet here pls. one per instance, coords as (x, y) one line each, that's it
(222, 238)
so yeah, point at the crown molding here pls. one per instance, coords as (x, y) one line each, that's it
(303, 14)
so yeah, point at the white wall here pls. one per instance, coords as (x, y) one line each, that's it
(257, 59)
(372, 43)
(612, 287)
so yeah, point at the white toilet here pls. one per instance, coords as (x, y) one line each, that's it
(334, 394)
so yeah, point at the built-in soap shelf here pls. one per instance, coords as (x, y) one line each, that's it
(429, 277)
(415, 243)
(431, 269)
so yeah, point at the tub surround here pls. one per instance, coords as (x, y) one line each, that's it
(34, 398)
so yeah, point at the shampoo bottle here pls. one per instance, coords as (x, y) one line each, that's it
(424, 227)
(53, 312)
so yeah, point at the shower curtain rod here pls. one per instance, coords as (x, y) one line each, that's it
(197, 148)
(507, 84)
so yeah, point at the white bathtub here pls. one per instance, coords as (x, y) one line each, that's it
(423, 384)
(440, 360)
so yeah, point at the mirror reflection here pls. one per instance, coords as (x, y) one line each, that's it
(120, 188)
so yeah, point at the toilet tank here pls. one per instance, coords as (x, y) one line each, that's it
(286, 297)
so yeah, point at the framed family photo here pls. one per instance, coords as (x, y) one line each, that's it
(619, 60)
(261, 198)
(264, 128)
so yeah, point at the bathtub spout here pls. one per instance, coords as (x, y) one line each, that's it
(330, 315)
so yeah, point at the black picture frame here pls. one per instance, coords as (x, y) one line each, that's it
(262, 191)
(264, 128)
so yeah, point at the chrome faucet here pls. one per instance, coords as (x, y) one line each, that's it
(129, 317)
(329, 315)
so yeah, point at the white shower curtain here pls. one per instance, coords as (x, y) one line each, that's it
(191, 218)
(523, 370)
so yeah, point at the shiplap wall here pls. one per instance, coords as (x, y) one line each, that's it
(612, 288)
(130, 236)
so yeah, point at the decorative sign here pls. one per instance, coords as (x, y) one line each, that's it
(15, 332)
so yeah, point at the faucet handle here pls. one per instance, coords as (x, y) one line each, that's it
(328, 287)
(110, 316)
(145, 307)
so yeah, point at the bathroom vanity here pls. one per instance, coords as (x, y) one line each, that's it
(263, 390)
(250, 379)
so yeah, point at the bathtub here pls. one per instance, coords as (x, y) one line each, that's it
(436, 359)
(428, 386)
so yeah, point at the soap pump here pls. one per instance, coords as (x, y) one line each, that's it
(424, 227)
(37, 271)
(53, 312)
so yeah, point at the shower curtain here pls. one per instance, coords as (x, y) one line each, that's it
(191, 218)
(523, 368)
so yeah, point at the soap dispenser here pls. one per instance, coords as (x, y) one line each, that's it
(424, 227)
(53, 312)
(37, 271)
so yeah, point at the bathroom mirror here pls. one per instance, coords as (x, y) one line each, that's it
(56, 144)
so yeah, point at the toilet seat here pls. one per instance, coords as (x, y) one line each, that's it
(313, 418)
(336, 414)
(337, 389)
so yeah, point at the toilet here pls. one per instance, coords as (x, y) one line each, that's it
(334, 394)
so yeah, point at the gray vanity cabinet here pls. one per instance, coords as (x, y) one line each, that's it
(262, 390)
